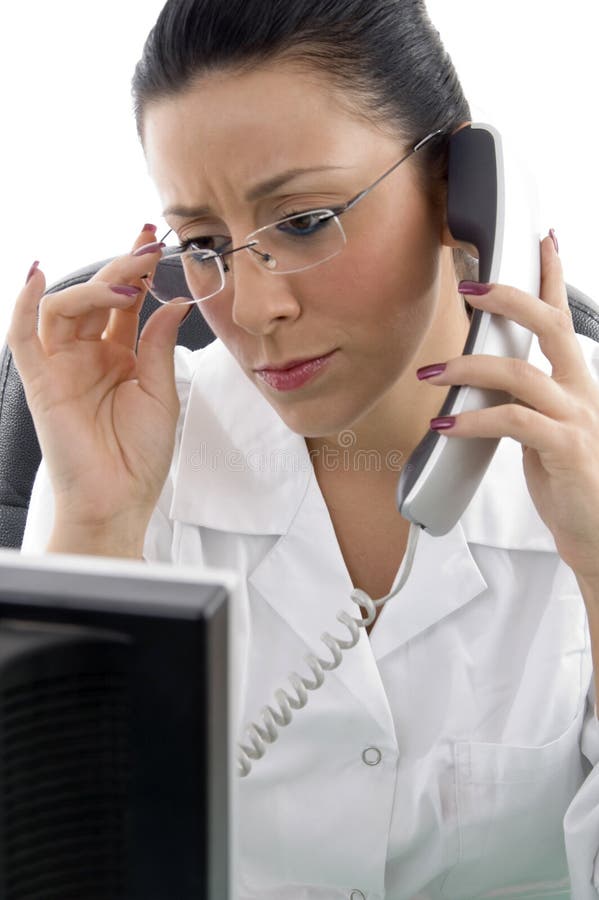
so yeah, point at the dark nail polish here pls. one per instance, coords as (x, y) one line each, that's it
(431, 371)
(473, 288)
(553, 237)
(127, 290)
(32, 271)
(148, 227)
(149, 248)
(443, 423)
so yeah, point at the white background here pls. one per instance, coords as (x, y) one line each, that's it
(73, 181)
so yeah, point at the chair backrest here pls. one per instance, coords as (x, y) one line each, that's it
(19, 449)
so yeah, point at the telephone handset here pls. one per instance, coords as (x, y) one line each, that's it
(493, 207)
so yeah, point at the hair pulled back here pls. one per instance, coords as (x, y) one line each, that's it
(384, 56)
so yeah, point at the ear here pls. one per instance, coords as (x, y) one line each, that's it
(448, 240)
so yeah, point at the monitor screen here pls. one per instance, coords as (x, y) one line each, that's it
(115, 759)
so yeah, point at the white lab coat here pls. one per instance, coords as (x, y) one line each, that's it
(440, 759)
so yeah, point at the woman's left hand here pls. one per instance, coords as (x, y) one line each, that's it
(554, 417)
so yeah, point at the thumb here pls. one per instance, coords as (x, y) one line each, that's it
(155, 352)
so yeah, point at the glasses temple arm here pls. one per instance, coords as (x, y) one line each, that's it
(341, 209)
(414, 149)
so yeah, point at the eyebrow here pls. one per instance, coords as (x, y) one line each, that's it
(257, 192)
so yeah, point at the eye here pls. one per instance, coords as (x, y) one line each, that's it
(305, 223)
(218, 243)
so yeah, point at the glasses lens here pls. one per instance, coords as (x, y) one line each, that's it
(291, 245)
(299, 242)
(184, 278)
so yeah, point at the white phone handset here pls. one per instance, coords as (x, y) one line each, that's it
(492, 206)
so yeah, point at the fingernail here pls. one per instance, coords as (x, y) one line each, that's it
(473, 288)
(431, 371)
(443, 423)
(126, 289)
(32, 271)
(149, 248)
(148, 227)
(553, 237)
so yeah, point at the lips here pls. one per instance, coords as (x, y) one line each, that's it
(294, 374)
(292, 364)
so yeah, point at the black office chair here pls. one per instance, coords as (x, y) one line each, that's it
(19, 449)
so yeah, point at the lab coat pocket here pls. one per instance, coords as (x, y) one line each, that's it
(511, 802)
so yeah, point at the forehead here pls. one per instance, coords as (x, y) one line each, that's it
(251, 125)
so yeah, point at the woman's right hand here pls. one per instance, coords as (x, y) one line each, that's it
(105, 415)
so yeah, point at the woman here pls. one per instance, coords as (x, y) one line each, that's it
(440, 758)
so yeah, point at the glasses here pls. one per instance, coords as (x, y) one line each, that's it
(191, 273)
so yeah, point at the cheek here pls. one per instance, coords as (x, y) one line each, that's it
(377, 299)
(385, 292)
(404, 263)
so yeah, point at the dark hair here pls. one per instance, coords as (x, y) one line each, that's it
(385, 56)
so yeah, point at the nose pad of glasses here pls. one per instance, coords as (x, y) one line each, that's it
(264, 257)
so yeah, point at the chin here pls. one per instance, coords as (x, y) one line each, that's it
(322, 413)
(316, 423)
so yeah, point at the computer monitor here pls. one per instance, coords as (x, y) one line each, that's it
(115, 760)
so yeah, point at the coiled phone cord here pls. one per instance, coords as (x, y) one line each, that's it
(266, 733)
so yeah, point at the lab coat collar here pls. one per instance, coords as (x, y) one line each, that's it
(305, 579)
(444, 576)
(234, 445)
(240, 467)
(501, 513)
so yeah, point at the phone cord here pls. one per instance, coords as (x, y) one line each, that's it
(267, 733)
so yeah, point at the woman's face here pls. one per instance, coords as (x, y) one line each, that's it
(371, 306)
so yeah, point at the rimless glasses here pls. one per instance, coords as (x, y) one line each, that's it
(191, 272)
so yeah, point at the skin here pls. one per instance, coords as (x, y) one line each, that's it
(388, 303)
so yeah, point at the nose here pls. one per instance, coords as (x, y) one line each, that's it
(261, 300)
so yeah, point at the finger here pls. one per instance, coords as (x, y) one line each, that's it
(527, 426)
(155, 352)
(552, 325)
(62, 314)
(553, 287)
(90, 323)
(92, 327)
(516, 377)
(128, 268)
(22, 337)
(123, 325)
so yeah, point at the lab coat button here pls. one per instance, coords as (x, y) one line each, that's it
(357, 895)
(372, 756)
